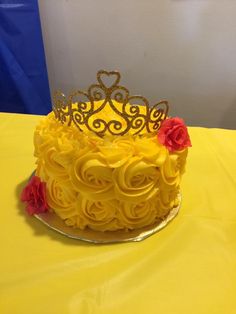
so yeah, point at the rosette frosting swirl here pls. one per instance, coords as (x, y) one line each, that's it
(136, 180)
(138, 214)
(98, 215)
(91, 177)
(61, 197)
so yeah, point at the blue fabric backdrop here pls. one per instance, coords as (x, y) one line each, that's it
(24, 84)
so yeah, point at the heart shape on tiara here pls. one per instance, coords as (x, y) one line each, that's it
(108, 79)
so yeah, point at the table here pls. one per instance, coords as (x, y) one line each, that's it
(188, 267)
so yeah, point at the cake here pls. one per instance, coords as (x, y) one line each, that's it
(106, 164)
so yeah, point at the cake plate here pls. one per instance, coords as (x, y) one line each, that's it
(52, 221)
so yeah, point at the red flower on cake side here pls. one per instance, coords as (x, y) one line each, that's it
(173, 134)
(34, 195)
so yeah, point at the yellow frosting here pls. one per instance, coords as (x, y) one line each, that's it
(110, 183)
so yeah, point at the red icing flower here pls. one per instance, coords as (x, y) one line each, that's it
(34, 194)
(173, 134)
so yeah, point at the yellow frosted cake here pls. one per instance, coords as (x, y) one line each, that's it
(98, 168)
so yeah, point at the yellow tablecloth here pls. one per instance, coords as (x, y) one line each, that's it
(188, 267)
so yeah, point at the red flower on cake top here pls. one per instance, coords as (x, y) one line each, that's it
(34, 194)
(173, 134)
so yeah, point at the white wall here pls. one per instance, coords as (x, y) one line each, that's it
(180, 50)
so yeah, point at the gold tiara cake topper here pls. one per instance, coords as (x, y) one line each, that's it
(108, 108)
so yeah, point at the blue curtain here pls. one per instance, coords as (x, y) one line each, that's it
(24, 84)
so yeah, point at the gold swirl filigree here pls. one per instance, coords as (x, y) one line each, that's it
(80, 109)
